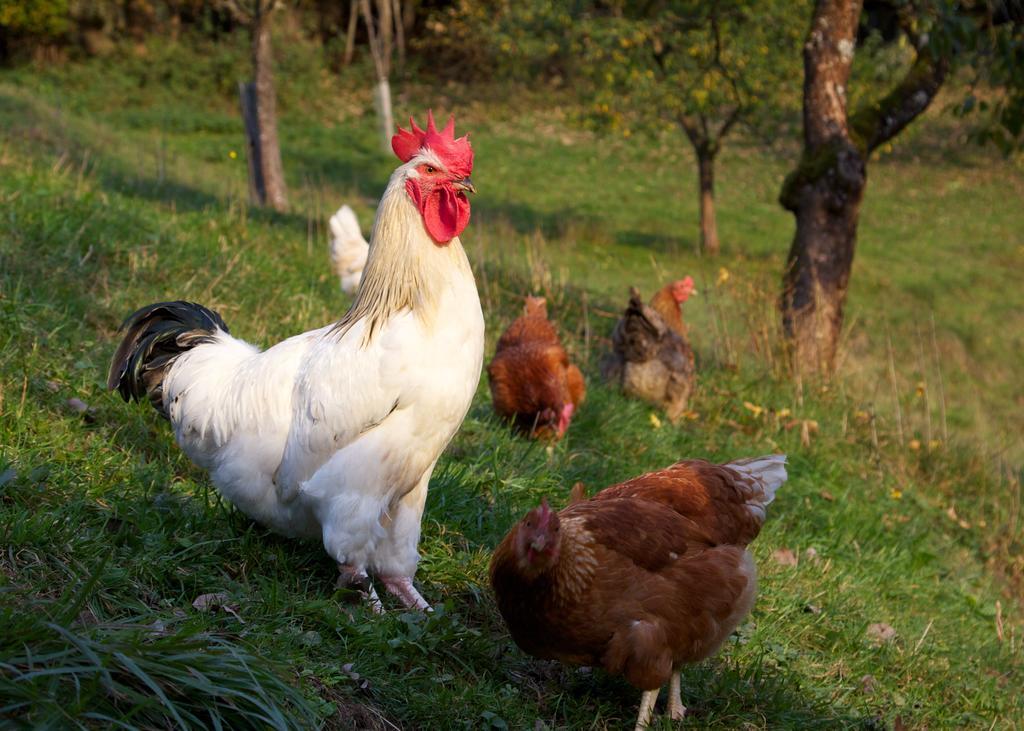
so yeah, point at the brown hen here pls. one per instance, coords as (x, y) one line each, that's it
(641, 578)
(649, 359)
(533, 384)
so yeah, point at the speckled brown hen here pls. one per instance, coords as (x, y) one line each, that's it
(650, 359)
(641, 578)
(533, 384)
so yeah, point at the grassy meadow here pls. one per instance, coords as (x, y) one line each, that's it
(122, 182)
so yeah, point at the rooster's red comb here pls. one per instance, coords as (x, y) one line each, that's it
(456, 154)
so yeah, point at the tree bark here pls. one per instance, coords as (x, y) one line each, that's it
(247, 99)
(380, 33)
(350, 33)
(825, 192)
(706, 183)
(266, 113)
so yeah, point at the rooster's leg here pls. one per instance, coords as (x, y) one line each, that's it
(647, 701)
(401, 587)
(350, 577)
(676, 709)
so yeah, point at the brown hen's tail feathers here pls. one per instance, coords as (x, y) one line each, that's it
(769, 472)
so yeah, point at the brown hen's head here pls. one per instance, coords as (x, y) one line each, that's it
(538, 538)
(682, 289)
(439, 176)
(536, 307)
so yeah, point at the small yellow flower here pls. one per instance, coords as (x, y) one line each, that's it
(895, 493)
(723, 276)
(232, 154)
(784, 413)
(753, 408)
(655, 421)
(920, 390)
(934, 444)
(915, 444)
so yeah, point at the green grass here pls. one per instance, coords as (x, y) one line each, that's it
(117, 189)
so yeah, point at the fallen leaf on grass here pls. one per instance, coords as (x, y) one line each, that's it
(867, 684)
(811, 554)
(807, 428)
(217, 600)
(753, 408)
(956, 518)
(361, 683)
(880, 633)
(784, 557)
(826, 495)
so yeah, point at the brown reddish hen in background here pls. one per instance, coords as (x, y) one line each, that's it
(668, 301)
(649, 359)
(532, 381)
(641, 578)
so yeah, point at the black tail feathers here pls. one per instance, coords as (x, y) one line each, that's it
(153, 337)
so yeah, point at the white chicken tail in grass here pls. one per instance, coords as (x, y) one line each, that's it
(333, 434)
(348, 249)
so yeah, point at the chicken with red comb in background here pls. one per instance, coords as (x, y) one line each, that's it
(668, 302)
(641, 578)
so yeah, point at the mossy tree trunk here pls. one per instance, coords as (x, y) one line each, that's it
(825, 192)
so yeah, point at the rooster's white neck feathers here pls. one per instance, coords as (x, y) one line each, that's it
(405, 268)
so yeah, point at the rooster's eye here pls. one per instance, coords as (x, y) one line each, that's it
(430, 170)
(529, 524)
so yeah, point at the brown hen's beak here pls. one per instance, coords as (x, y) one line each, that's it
(538, 543)
(465, 184)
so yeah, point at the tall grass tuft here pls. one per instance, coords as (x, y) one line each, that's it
(136, 676)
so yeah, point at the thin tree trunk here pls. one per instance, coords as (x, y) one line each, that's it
(706, 181)
(350, 35)
(379, 34)
(266, 113)
(399, 21)
(382, 103)
(247, 99)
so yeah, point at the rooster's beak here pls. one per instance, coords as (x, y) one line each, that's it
(465, 184)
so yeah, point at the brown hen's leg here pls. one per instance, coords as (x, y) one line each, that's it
(401, 587)
(350, 577)
(676, 709)
(647, 701)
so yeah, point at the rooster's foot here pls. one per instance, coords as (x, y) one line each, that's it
(676, 709)
(647, 701)
(350, 577)
(401, 587)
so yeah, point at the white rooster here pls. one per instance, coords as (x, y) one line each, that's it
(334, 433)
(348, 249)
